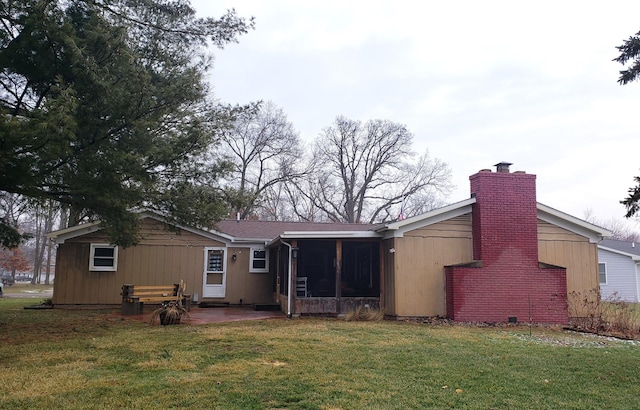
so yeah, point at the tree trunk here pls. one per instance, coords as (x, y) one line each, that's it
(48, 267)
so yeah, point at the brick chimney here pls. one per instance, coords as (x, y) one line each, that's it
(505, 282)
(505, 216)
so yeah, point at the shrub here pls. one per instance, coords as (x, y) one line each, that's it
(612, 316)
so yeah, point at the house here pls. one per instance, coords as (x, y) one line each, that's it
(497, 256)
(619, 270)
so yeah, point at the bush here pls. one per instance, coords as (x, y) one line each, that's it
(364, 313)
(612, 316)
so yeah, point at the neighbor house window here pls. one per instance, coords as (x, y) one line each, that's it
(259, 260)
(602, 272)
(103, 257)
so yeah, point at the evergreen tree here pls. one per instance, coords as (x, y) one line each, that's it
(630, 54)
(104, 108)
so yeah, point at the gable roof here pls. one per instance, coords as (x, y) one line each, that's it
(546, 213)
(83, 229)
(630, 249)
(397, 229)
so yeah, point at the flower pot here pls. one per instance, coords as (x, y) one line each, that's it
(169, 318)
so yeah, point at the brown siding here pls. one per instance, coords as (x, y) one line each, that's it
(560, 247)
(162, 257)
(420, 257)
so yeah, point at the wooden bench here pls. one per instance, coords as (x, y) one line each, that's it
(135, 296)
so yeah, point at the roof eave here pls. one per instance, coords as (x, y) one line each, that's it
(571, 223)
(324, 235)
(62, 235)
(398, 228)
(635, 258)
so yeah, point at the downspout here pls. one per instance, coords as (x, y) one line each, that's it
(289, 287)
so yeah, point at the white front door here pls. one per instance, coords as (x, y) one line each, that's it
(215, 272)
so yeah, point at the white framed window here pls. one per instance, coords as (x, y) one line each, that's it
(602, 273)
(103, 257)
(259, 261)
(215, 260)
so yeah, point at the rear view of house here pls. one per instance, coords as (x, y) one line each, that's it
(497, 256)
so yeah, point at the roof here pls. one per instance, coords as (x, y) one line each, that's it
(579, 226)
(398, 228)
(268, 230)
(85, 228)
(626, 248)
(546, 213)
(255, 231)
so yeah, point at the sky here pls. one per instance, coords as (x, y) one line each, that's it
(477, 83)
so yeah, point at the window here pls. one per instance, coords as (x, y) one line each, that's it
(602, 272)
(259, 260)
(215, 260)
(103, 257)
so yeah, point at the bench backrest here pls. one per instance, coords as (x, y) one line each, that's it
(129, 290)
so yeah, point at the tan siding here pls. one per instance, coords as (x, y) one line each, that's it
(560, 247)
(238, 276)
(161, 257)
(419, 265)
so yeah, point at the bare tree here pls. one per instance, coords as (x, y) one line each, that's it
(364, 172)
(264, 148)
(619, 229)
(290, 201)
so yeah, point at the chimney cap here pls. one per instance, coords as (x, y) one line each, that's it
(503, 166)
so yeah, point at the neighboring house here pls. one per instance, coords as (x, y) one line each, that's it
(494, 257)
(619, 270)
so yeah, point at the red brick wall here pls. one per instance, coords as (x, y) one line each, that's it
(494, 295)
(509, 282)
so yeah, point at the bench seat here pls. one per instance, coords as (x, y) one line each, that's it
(134, 296)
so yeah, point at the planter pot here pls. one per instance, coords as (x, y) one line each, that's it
(169, 318)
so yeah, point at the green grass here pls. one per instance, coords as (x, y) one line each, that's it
(80, 359)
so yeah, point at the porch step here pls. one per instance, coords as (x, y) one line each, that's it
(266, 306)
(213, 304)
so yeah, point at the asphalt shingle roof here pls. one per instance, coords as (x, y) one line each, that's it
(622, 246)
(252, 229)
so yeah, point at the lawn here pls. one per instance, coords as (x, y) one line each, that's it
(76, 359)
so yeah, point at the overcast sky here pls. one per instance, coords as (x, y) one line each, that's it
(476, 82)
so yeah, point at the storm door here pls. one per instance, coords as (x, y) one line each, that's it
(215, 273)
